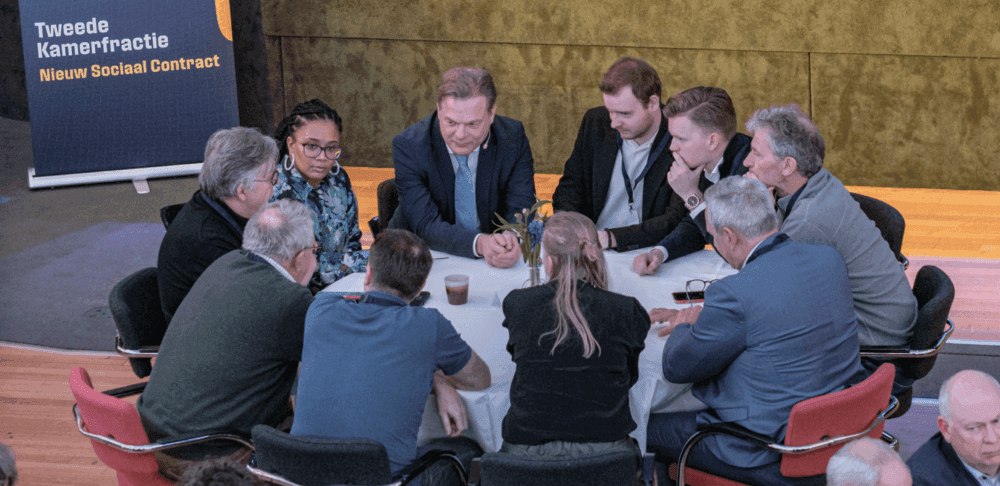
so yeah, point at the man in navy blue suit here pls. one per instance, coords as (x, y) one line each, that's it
(461, 165)
(706, 148)
(778, 332)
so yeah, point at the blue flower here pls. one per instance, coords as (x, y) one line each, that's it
(535, 229)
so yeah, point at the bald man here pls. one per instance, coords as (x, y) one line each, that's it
(867, 462)
(967, 450)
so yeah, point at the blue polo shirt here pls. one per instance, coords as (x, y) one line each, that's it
(368, 367)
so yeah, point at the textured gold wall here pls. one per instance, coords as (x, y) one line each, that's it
(906, 92)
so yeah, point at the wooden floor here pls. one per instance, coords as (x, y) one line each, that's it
(956, 230)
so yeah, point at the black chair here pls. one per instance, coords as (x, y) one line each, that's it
(135, 308)
(888, 221)
(610, 468)
(288, 460)
(388, 201)
(935, 294)
(168, 213)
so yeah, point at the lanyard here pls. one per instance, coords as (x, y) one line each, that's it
(778, 239)
(629, 187)
(225, 214)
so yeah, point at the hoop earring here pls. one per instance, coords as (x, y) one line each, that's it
(285, 162)
(336, 168)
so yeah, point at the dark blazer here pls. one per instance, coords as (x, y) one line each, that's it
(935, 463)
(562, 395)
(425, 179)
(583, 187)
(745, 353)
(691, 234)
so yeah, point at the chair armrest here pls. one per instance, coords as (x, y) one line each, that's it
(141, 352)
(162, 444)
(127, 391)
(426, 460)
(887, 352)
(267, 476)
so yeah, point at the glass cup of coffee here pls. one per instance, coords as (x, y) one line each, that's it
(457, 287)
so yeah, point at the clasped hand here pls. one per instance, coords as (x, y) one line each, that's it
(500, 250)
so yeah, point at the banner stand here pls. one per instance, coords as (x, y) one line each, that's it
(137, 176)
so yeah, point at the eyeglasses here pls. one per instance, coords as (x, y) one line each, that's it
(312, 151)
(273, 180)
(696, 285)
(316, 250)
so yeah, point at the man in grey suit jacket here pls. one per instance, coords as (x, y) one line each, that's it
(778, 332)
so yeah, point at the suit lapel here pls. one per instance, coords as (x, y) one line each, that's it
(442, 162)
(658, 172)
(486, 175)
(604, 169)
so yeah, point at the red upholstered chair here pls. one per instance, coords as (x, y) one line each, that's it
(115, 431)
(817, 428)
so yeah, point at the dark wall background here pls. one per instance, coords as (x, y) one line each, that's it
(13, 94)
(906, 92)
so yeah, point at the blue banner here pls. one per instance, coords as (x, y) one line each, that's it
(126, 84)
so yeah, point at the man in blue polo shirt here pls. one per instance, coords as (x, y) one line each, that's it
(368, 365)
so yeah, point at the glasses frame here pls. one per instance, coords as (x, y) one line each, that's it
(273, 180)
(704, 286)
(313, 153)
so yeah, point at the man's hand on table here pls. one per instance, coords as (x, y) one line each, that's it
(647, 263)
(450, 406)
(501, 250)
(673, 317)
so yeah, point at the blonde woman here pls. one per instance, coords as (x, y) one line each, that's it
(576, 346)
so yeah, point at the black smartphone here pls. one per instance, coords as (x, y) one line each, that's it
(695, 297)
(421, 299)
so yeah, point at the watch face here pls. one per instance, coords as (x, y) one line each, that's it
(692, 201)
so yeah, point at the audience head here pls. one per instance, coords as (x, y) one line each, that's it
(631, 91)
(572, 253)
(8, 466)
(970, 419)
(239, 169)
(310, 140)
(787, 148)
(739, 213)
(283, 231)
(867, 462)
(702, 121)
(466, 105)
(218, 472)
(398, 264)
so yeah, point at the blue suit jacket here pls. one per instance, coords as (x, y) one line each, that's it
(425, 179)
(778, 332)
(691, 234)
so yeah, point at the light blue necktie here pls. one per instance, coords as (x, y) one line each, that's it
(465, 195)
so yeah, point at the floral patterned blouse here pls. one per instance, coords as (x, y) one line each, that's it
(335, 209)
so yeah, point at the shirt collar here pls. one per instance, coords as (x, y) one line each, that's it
(277, 266)
(714, 175)
(981, 477)
(301, 187)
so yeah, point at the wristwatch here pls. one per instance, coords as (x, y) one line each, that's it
(692, 201)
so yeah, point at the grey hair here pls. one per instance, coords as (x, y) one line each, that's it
(233, 157)
(860, 463)
(742, 204)
(944, 396)
(466, 82)
(793, 135)
(280, 230)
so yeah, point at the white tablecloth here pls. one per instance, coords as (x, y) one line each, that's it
(479, 323)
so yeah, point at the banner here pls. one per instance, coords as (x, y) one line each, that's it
(126, 84)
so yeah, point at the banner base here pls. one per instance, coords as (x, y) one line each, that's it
(138, 176)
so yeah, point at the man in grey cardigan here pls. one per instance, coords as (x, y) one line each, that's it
(787, 155)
